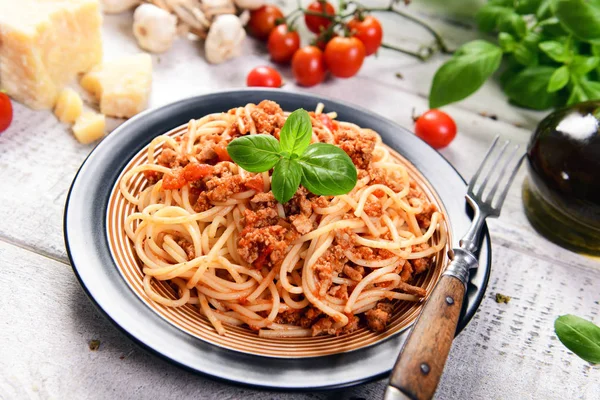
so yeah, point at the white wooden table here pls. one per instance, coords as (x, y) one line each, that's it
(508, 351)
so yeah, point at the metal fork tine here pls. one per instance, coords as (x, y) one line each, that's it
(487, 177)
(492, 192)
(510, 180)
(485, 159)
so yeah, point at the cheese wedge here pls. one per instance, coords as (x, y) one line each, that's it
(44, 44)
(122, 86)
(89, 127)
(68, 106)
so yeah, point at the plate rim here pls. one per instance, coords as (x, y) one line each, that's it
(465, 316)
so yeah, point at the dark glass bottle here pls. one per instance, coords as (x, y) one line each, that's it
(562, 194)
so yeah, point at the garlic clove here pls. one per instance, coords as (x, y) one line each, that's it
(250, 4)
(224, 39)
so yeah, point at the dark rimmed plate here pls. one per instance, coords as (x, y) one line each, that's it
(85, 227)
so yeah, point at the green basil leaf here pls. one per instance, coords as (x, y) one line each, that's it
(489, 16)
(528, 88)
(591, 89)
(559, 79)
(472, 64)
(578, 95)
(507, 42)
(327, 170)
(556, 51)
(296, 133)
(285, 179)
(580, 336)
(544, 10)
(512, 23)
(525, 56)
(582, 65)
(254, 153)
(580, 17)
(527, 6)
(552, 28)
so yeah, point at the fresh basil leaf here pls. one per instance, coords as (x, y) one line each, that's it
(254, 153)
(528, 88)
(525, 56)
(559, 79)
(296, 133)
(582, 65)
(556, 51)
(580, 336)
(591, 89)
(513, 23)
(507, 42)
(544, 10)
(472, 64)
(580, 17)
(552, 28)
(578, 95)
(490, 15)
(285, 179)
(327, 170)
(527, 6)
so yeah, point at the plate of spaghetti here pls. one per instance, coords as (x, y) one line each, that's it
(229, 228)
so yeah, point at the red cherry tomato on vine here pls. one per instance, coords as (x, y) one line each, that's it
(344, 56)
(6, 112)
(283, 43)
(436, 128)
(367, 31)
(262, 21)
(308, 66)
(314, 23)
(264, 76)
(321, 42)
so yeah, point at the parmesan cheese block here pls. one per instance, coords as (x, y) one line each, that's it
(89, 127)
(121, 86)
(68, 106)
(44, 44)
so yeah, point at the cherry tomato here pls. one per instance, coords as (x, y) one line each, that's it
(436, 128)
(314, 23)
(264, 76)
(321, 42)
(367, 31)
(308, 66)
(283, 43)
(6, 112)
(262, 21)
(344, 56)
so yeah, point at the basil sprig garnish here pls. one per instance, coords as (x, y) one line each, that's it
(323, 169)
(580, 336)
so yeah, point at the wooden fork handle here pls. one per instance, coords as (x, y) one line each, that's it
(421, 362)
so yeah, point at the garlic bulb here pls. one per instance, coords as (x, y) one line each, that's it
(224, 40)
(249, 4)
(118, 6)
(212, 8)
(154, 28)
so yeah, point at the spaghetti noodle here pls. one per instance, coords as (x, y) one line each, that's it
(315, 265)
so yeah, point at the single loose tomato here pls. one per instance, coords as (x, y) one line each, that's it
(222, 153)
(283, 43)
(315, 23)
(173, 181)
(308, 66)
(436, 128)
(344, 56)
(195, 171)
(264, 76)
(368, 31)
(6, 112)
(263, 21)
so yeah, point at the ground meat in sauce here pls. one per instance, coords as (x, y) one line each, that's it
(331, 261)
(268, 245)
(302, 223)
(377, 319)
(187, 247)
(339, 291)
(309, 317)
(300, 203)
(355, 273)
(325, 326)
(359, 145)
(424, 218)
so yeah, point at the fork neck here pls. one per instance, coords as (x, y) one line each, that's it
(470, 241)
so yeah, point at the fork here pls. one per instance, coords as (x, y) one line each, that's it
(421, 361)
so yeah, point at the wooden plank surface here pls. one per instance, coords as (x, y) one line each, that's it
(509, 351)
